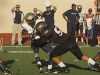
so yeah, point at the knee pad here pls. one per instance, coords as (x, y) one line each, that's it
(99, 54)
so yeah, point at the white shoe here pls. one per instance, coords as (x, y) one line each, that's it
(91, 67)
(20, 44)
(7, 73)
(12, 44)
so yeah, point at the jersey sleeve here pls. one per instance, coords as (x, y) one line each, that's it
(43, 38)
(66, 13)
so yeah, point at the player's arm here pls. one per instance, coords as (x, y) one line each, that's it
(12, 10)
(54, 7)
(43, 38)
(65, 16)
(40, 11)
(40, 41)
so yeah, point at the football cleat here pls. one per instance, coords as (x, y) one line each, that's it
(91, 67)
(40, 68)
(97, 66)
(7, 73)
(65, 70)
(50, 71)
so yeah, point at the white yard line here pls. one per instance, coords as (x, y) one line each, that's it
(52, 46)
(20, 51)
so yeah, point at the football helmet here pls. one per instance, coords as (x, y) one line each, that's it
(30, 19)
(79, 8)
(40, 27)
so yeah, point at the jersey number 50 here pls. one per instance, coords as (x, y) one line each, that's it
(58, 31)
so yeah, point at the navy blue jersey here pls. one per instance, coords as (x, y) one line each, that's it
(49, 16)
(72, 15)
(53, 34)
(18, 15)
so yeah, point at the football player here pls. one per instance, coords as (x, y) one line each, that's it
(89, 25)
(29, 26)
(80, 25)
(6, 72)
(65, 43)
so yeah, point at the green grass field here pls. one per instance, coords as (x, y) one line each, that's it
(20, 61)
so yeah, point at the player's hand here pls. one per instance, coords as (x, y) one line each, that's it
(37, 37)
(68, 21)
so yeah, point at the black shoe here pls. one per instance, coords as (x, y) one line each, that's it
(97, 66)
(92, 45)
(65, 70)
(50, 71)
(7, 73)
(40, 68)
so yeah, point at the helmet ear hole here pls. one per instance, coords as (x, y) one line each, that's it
(40, 27)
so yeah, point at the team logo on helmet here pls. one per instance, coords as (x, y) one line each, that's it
(29, 16)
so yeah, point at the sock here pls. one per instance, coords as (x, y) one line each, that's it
(81, 39)
(39, 63)
(91, 61)
(36, 55)
(3, 67)
(76, 39)
(49, 66)
(61, 64)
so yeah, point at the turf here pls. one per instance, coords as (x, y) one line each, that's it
(24, 63)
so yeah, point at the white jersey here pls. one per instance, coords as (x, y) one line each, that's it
(89, 23)
(28, 27)
(82, 15)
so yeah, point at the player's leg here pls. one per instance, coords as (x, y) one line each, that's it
(59, 50)
(77, 32)
(76, 36)
(97, 57)
(37, 58)
(87, 33)
(15, 27)
(6, 72)
(95, 32)
(48, 48)
(82, 34)
(77, 52)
